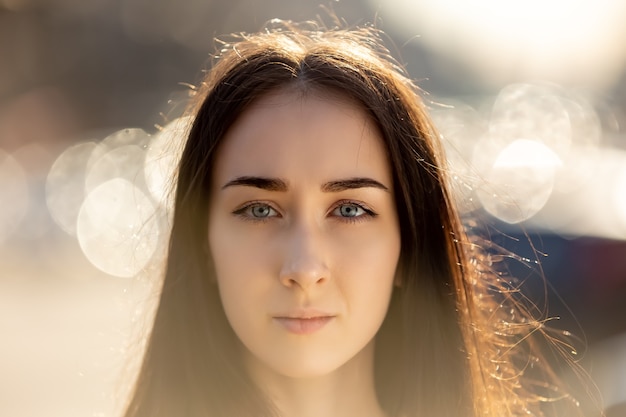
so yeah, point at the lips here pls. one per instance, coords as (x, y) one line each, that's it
(302, 324)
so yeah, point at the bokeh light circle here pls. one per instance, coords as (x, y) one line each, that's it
(65, 185)
(121, 162)
(533, 112)
(520, 181)
(117, 228)
(119, 155)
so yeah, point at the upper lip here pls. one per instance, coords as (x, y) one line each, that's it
(304, 314)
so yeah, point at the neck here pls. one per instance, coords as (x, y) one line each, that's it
(346, 392)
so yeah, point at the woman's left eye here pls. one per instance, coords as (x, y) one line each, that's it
(351, 211)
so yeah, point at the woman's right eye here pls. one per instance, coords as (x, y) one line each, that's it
(256, 211)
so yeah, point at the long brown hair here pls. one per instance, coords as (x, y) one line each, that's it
(445, 348)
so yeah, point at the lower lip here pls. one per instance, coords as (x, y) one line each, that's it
(303, 326)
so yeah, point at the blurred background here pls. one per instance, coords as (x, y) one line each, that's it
(530, 98)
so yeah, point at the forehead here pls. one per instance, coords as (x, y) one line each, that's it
(303, 137)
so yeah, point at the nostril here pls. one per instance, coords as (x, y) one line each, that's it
(304, 276)
(303, 262)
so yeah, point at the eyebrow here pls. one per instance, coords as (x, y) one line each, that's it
(351, 183)
(269, 184)
(276, 184)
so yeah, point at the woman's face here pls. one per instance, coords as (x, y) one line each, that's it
(303, 233)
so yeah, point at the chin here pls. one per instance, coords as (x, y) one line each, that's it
(314, 363)
(307, 368)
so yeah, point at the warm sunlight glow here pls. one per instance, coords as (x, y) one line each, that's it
(565, 40)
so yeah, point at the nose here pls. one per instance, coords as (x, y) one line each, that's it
(303, 264)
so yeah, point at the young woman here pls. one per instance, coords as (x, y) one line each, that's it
(317, 265)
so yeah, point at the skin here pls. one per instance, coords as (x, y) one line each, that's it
(305, 240)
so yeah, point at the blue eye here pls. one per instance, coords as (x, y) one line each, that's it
(256, 211)
(260, 210)
(349, 210)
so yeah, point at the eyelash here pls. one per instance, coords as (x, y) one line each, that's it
(368, 212)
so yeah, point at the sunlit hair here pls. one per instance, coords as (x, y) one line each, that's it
(456, 340)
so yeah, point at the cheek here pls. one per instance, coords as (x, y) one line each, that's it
(243, 264)
(365, 268)
(368, 251)
(235, 248)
